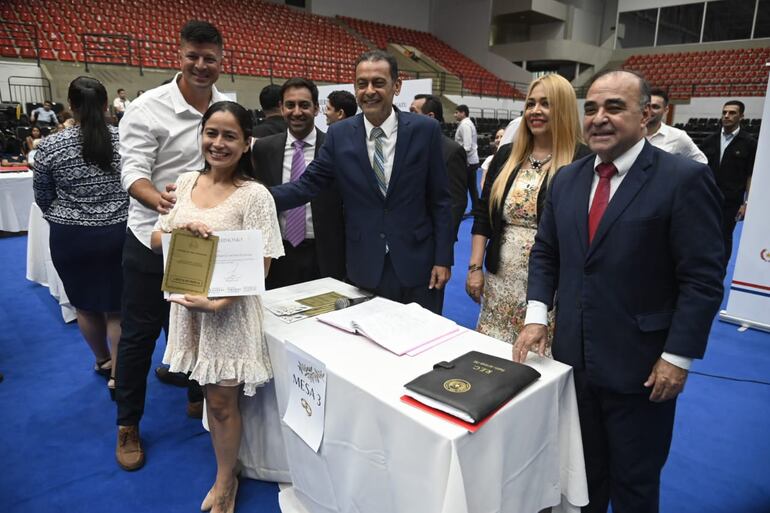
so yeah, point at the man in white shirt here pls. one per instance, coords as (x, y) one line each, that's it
(468, 139)
(159, 140)
(120, 104)
(669, 138)
(510, 131)
(44, 116)
(630, 242)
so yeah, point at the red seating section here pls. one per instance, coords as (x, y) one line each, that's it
(474, 78)
(260, 37)
(737, 72)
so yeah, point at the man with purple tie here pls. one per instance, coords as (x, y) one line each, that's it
(313, 234)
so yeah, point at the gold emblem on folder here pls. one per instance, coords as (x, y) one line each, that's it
(456, 386)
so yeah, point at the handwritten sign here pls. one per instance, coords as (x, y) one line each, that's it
(306, 410)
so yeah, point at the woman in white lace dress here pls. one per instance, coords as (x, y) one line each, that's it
(220, 341)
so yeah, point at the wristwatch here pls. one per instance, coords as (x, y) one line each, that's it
(474, 267)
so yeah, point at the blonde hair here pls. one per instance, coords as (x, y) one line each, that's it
(565, 134)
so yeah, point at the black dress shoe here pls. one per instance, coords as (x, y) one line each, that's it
(178, 379)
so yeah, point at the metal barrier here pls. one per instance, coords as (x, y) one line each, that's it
(29, 89)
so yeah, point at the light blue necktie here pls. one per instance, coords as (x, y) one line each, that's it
(378, 164)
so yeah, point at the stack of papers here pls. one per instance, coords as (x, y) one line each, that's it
(397, 327)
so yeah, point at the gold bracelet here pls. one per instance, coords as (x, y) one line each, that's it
(474, 267)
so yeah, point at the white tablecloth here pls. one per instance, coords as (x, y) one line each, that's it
(40, 268)
(380, 455)
(15, 198)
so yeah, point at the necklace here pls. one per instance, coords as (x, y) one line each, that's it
(537, 164)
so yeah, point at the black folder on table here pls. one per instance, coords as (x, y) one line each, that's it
(474, 383)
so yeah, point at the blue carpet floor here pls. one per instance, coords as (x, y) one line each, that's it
(57, 428)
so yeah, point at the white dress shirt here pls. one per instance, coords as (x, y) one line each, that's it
(120, 105)
(468, 139)
(510, 131)
(676, 141)
(536, 310)
(390, 127)
(724, 141)
(288, 155)
(159, 140)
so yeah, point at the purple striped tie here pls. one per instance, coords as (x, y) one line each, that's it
(295, 218)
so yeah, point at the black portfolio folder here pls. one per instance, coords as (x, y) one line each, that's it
(474, 383)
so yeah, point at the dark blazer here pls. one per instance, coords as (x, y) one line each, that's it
(328, 221)
(492, 226)
(650, 282)
(413, 220)
(736, 166)
(270, 126)
(455, 160)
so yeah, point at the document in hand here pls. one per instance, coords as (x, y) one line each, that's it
(397, 327)
(237, 263)
(472, 386)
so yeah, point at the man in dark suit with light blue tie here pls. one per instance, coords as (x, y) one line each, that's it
(389, 168)
(629, 246)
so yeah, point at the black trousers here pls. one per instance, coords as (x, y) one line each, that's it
(728, 227)
(298, 265)
(626, 439)
(473, 189)
(390, 288)
(144, 314)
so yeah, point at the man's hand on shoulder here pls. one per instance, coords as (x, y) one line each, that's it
(145, 193)
(439, 276)
(667, 381)
(534, 337)
(167, 199)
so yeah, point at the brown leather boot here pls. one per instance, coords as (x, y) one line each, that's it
(128, 451)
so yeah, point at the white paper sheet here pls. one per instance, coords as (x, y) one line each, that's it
(306, 410)
(239, 269)
(397, 327)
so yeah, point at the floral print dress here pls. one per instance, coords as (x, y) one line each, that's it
(504, 302)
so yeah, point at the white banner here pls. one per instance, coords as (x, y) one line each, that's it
(306, 410)
(749, 300)
(409, 88)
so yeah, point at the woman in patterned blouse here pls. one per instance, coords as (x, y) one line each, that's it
(77, 186)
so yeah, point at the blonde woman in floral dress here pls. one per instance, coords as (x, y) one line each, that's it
(505, 221)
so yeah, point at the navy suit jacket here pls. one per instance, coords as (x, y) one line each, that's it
(651, 280)
(414, 219)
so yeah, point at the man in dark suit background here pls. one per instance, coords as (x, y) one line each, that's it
(313, 234)
(455, 158)
(270, 101)
(389, 168)
(629, 241)
(730, 155)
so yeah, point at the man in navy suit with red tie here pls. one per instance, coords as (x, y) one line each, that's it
(389, 168)
(629, 247)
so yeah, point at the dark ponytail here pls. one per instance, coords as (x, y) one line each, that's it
(88, 98)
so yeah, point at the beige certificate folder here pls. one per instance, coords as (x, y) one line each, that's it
(190, 263)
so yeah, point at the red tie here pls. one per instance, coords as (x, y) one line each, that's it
(605, 170)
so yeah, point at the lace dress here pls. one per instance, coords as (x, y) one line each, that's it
(229, 345)
(504, 302)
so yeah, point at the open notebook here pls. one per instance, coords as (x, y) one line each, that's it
(397, 327)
